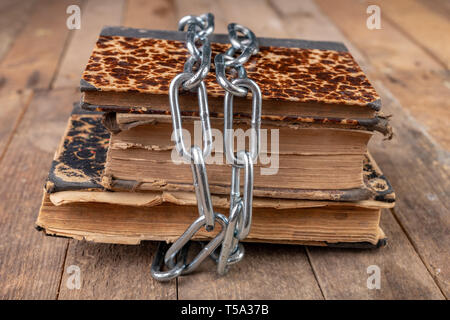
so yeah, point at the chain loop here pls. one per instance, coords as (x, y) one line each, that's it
(198, 30)
(175, 256)
(202, 71)
(249, 42)
(235, 257)
(219, 64)
(247, 200)
(247, 46)
(231, 61)
(240, 218)
(204, 21)
(158, 261)
(201, 186)
(180, 243)
(176, 117)
(255, 121)
(230, 241)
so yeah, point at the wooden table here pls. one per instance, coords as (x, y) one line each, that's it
(407, 60)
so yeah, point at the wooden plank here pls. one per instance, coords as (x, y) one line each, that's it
(441, 7)
(94, 15)
(419, 82)
(31, 263)
(422, 204)
(307, 22)
(107, 271)
(29, 64)
(410, 151)
(266, 272)
(426, 96)
(14, 106)
(33, 58)
(418, 170)
(155, 14)
(257, 16)
(343, 274)
(113, 272)
(384, 48)
(428, 28)
(197, 7)
(323, 25)
(13, 16)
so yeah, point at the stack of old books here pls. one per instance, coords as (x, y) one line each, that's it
(116, 178)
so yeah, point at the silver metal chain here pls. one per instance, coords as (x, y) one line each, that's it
(240, 216)
(237, 226)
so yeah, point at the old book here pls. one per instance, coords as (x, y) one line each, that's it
(76, 205)
(313, 92)
(129, 71)
(298, 162)
(112, 223)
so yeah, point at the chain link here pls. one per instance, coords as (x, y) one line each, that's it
(176, 117)
(255, 121)
(237, 226)
(247, 46)
(183, 240)
(198, 30)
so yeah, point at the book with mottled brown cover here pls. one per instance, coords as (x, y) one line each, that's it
(130, 70)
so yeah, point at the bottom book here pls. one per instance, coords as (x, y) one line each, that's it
(75, 205)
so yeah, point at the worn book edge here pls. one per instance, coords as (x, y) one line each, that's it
(131, 38)
(75, 170)
(54, 222)
(88, 125)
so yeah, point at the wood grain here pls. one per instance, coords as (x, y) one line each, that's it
(303, 20)
(155, 14)
(28, 63)
(342, 273)
(95, 15)
(429, 29)
(392, 153)
(32, 60)
(197, 7)
(441, 7)
(254, 14)
(30, 264)
(13, 16)
(11, 112)
(114, 272)
(419, 82)
(108, 271)
(418, 170)
(266, 272)
(416, 166)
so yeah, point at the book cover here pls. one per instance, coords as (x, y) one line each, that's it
(300, 81)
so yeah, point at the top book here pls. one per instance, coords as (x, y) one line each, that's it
(130, 71)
